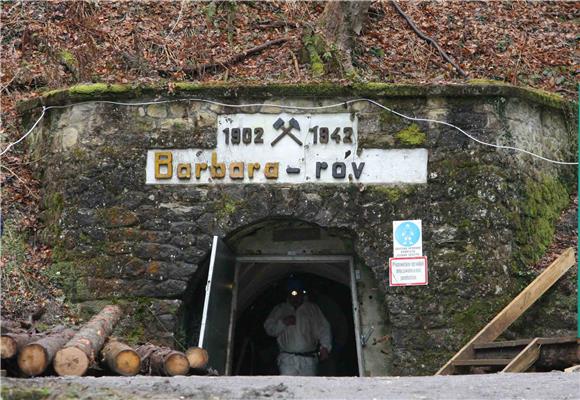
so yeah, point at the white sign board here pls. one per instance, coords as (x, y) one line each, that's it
(407, 238)
(410, 271)
(286, 148)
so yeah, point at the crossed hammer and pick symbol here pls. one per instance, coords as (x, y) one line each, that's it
(292, 124)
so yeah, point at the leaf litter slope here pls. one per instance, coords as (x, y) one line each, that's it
(48, 45)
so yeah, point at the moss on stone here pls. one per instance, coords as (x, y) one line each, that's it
(479, 312)
(66, 276)
(69, 60)
(117, 217)
(25, 393)
(53, 206)
(226, 206)
(543, 200)
(411, 136)
(483, 81)
(99, 88)
(102, 91)
(387, 118)
(393, 194)
(187, 86)
(67, 57)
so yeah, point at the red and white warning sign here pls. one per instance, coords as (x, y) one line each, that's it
(408, 271)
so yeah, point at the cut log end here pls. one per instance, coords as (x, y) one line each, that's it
(7, 347)
(71, 361)
(128, 363)
(176, 364)
(33, 359)
(197, 357)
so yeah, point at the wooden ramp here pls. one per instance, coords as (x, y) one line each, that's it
(481, 354)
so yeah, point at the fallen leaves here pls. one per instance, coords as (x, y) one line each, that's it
(529, 43)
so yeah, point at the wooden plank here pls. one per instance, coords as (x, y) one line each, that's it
(517, 307)
(503, 344)
(525, 359)
(524, 342)
(482, 362)
(558, 340)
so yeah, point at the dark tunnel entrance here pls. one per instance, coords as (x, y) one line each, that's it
(246, 277)
(255, 352)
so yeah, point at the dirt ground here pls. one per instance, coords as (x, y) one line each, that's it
(541, 386)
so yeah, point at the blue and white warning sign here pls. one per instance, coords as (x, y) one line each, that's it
(407, 238)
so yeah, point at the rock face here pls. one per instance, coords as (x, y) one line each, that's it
(487, 214)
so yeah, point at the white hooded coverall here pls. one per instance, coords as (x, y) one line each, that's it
(311, 328)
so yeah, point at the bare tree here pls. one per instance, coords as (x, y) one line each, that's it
(341, 22)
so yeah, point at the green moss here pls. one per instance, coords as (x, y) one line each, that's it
(134, 336)
(226, 206)
(25, 393)
(482, 81)
(478, 314)
(549, 98)
(411, 136)
(479, 88)
(65, 275)
(68, 59)
(393, 194)
(542, 202)
(98, 88)
(315, 45)
(53, 206)
(187, 86)
(13, 247)
(387, 118)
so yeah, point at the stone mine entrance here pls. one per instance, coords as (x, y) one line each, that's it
(247, 278)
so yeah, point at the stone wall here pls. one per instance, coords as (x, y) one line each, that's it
(487, 214)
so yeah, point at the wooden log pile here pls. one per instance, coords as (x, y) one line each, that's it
(66, 352)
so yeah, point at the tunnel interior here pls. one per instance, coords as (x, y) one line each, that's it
(320, 257)
(255, 352)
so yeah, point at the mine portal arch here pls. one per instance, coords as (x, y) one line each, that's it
(252, 259)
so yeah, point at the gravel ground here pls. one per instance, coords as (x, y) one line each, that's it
(544, 386)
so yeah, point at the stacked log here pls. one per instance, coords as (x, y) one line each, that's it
(121, 358)
(80, 352)
(35, 357)
(73, 353)
(157, 360)
(197, 357)
(12, 343)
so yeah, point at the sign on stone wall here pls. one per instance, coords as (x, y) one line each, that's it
(410, 271)
(407, 238)
(287, 148)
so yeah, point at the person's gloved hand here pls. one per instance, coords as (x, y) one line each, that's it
(289, 320)
(322, 353)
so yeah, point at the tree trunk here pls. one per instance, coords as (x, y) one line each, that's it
(120, 358)
(80, 352)
(35, 357)
(162, 361)
(197, 357)
(340, 22)
(12, 343)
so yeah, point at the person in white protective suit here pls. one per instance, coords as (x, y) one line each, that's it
(302, 332)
